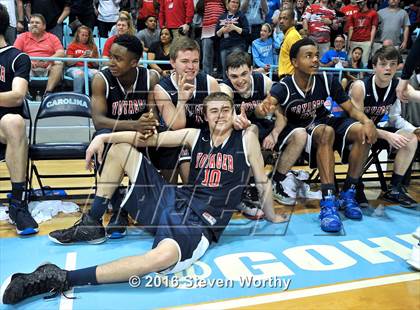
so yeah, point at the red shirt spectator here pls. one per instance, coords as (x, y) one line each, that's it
(146, 8)
(316, 15)
(175, 13)
(362, 23)
(108, 45)
(348, 11)
(212, 11)
(77, 50)
(46, 46)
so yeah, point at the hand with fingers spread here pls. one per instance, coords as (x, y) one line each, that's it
(241, 121)
(396, 140)
(95, 149)
(185, 90)
(369, 132)
(147, 123)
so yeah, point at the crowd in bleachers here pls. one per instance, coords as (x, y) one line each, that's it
(342, 30)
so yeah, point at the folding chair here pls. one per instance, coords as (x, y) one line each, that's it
(58, 105)
(26, 114)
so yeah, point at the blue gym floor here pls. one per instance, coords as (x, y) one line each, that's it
(297, 254)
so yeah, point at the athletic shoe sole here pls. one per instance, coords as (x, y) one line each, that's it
(4, 287)
(117, 235)
(26, 232)
(285, 202)
(96, 241)
(397, 202)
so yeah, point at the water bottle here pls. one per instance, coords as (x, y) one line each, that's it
(328, 103)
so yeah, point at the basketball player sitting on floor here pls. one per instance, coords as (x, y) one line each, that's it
(185, 220)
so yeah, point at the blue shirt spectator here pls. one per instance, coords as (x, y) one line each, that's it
(336, 57)
(263, 53)
(272, 6)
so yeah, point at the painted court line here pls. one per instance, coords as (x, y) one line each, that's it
(67, 303)
(316, 291)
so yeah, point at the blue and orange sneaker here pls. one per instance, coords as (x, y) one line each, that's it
(330, 219)
(349, 204)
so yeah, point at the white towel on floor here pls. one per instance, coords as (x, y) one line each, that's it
(44, 210)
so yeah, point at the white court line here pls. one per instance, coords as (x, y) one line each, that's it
(316, 291)
(67, 303)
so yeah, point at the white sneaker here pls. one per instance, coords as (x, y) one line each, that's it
(414, 259)
(295, 187)
(281, 196)
(300, 174)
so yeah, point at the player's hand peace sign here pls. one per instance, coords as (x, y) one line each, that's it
(185, 90)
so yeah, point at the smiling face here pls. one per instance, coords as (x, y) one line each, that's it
(233, 6)
(339, 43)
(265, 32)
(187, 63)
(219, 115)
(307, 60)
(121, 60)
(240, 78)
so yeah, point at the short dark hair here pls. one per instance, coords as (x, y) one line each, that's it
(148, 16)
(341, 36)
(40, 16)
(385, 53)
(4, 19)
(216, 96)
(294, 50)
(183, 44)
(236, 59)
(131, 43)
(290, 13)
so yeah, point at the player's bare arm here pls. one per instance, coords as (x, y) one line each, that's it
(256, 161)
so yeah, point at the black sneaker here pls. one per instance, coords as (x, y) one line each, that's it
(20, 216)
(360, 196)
(250, 206)
(117, 226)
(84, 230)
(46, 278)
(250, 195)
(401, 197)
